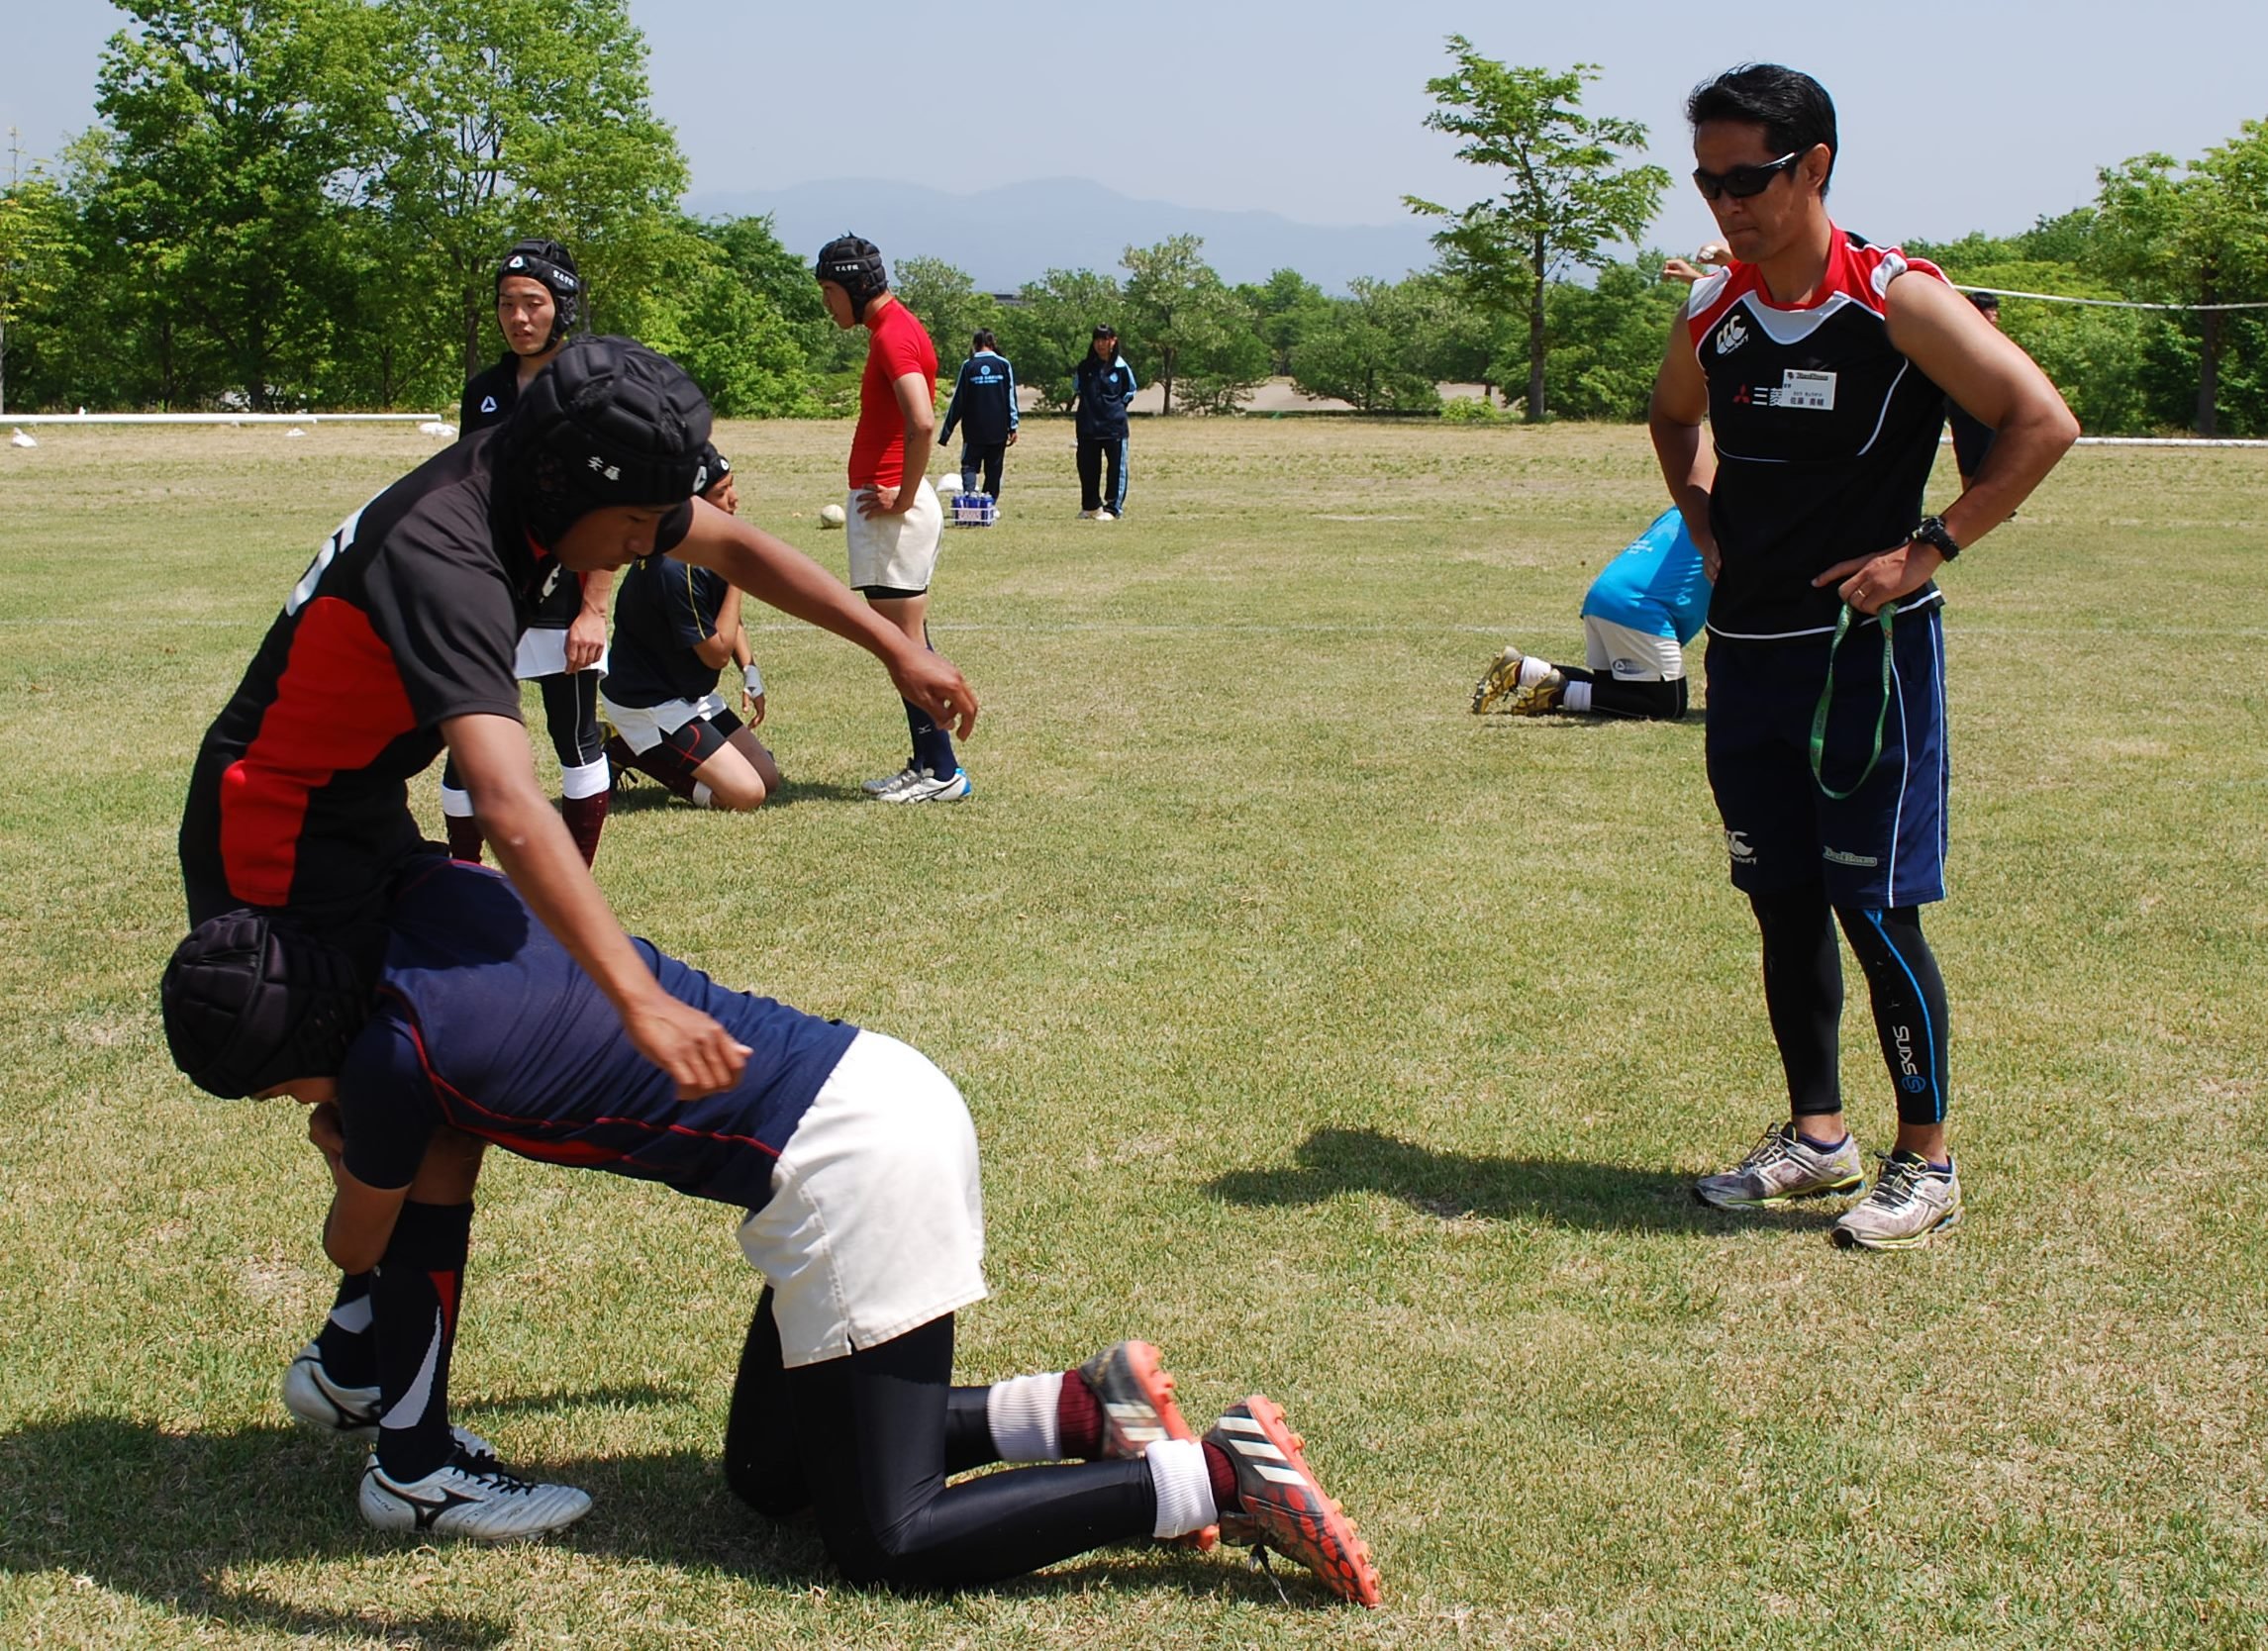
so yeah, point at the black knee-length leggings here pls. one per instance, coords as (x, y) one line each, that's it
(867, 1442)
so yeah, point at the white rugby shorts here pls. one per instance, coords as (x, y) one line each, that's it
(1631, 655)
(643, 727)
(877, 1221)
(900, 552)
(544, 653)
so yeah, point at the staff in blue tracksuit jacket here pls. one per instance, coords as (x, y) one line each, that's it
(1103, 388)
(984, 407)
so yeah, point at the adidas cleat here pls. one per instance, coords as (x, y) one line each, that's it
(469, 1495)
(1280, 1505)
(1499, 682)
(1131, 1383)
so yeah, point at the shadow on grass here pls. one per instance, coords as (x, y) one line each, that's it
(651, 794)
(166, 1517)
(1563, 1191)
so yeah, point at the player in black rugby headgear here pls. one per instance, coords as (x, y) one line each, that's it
(538, 300)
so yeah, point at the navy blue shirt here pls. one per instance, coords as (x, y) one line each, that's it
(484, 1022)
(984, 402)
(1105, 390)
(662, 609)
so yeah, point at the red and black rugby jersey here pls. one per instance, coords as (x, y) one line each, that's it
(1825, 436)
(409, 616)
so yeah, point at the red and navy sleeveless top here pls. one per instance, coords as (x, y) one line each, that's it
(1825, 436)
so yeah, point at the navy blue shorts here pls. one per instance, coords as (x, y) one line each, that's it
(1884, 845)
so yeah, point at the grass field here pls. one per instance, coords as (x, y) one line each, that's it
(1347, 1046)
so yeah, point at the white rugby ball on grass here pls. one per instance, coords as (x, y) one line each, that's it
(831, 516)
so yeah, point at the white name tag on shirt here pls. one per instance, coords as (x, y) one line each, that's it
(1812, 391)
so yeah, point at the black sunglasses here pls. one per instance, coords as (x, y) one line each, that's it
(1741, 182)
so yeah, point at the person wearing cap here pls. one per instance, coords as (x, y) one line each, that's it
(984, 409)
(398, 642)
(539, 299)
(1102, 391)
(854, 1164)
(676, 625)
(892, 515)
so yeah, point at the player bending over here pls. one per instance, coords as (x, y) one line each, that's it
(675, 624)
(857, 1165)
(1638, 614)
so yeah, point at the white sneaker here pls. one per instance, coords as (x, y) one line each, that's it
(469, 1495)
(312, 1397)
(1105, 515)
(930, 789)
(1089, 514)
(882, 788)
(309, 1395)
(1912, 1206)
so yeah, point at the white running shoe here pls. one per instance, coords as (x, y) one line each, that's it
(1105, 515)
(1910, 1205)
(317, 1401)
(930, 789)
(469, 1495)
(883, 787)
(309, 1395)
(1089, 514)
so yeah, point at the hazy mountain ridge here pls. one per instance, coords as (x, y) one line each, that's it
(1014, 233)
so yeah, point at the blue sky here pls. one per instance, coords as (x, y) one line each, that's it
(1954, 116)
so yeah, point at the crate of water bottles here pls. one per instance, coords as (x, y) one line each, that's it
(973, 509)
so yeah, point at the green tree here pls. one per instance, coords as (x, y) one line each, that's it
(1285, 307)
(2195, 235)
(506, 118)
(1050, 327)
(1607, 338)
(1180, 315)
(1566, 191)
(727, 331)
(220, 150)
(39, 233)
(1371, 348)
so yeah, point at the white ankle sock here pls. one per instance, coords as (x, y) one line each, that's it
(1184, 1489)
(1022, 1415)
(703, 797)
(1577, 697)
(1534, 670)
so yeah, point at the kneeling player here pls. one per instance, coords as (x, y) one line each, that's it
(1638, 614)
(674, 627)
(856, 1162)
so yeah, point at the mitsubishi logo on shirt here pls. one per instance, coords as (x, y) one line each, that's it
(1731, 335)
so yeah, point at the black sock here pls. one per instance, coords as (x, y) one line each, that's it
(1802, 993)
(1908, 996)
(349, 1350)
(414, 1297)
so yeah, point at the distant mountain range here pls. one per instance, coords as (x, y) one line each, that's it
(1012, 235)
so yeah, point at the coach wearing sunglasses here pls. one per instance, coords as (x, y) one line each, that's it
(1821, 364)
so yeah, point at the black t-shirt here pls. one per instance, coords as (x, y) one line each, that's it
(662, 608)
(409, 615)
(484, 1022)
(1972, 437)
(489, 395)
(1824, 436)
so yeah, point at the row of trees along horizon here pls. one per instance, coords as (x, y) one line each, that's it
(293, 204)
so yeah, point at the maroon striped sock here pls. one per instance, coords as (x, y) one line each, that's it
(1223, 1473)
(1078, 1419)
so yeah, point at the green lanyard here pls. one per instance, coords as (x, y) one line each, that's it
(1827, 698)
